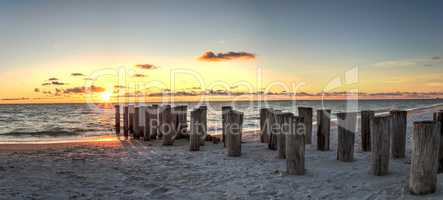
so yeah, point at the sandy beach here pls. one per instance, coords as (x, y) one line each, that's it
(114, 169)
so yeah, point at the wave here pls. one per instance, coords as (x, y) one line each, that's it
(57, 132)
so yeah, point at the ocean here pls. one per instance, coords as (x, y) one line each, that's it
(41, 122)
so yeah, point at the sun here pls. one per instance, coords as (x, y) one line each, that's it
(106, 95)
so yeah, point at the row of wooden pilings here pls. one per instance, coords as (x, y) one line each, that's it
(170, 123)
(384, 136)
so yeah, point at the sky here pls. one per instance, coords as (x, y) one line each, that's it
(60, 50)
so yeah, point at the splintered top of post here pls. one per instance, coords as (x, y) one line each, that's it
(286, 114)
(226, 107)
(381, 117)
(305, 108)
(398, 112)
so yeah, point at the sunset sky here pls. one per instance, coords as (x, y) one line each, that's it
(59, 50)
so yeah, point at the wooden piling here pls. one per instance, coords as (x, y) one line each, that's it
(323, 129)
(126, 121)
(285, 120)
(225, 110)
(136, 123)
(380, 127)
(295, 147)
(346, 123)
(275, 129)
(142, 121)
(424, 161)
(131, 110)
(182, 125)
(264, 124)
(366, 116)
(152, 122)
(398, 133)
(148, 124)
(306, 113)
(196, 130)
(204, 114)
(234, 133)
(166, 126)
(117, 119)
(438, 116)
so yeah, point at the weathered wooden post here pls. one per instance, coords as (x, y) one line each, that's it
(234, 133)
(136, 123)
(323, 129)
(141, 123)
(265, 128)
(204, 114)
(166, 126)
(295, 147)
(424, 161)
(148, 124)
(380, 129)
(275, 129)
(155, 121)
(225, 110)
(131, 110)
(346, 136)
(366, 116)
(182, 124)
(196, 130)
(285, 120)
(117, 119)
(438, 116)
(398, 133)
(306, 113)
(126, 121)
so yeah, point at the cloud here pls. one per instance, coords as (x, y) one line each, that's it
(211, 56)
(436, 58)
(46, 84)
(15, 99)
(139, 75)
(89, 79)
(77, 74)
(119, 86)
(79, 90)
(396, 63)
(53, 79)
(36, 90)
(146, 66)
(57, 83)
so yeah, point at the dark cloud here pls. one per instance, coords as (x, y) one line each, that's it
(46, 84)
(57, 83)
(436, 58)
(36, 90)
(77, 74)
(53, 79)
(47, 92)
(78, 90)
(427, 65)
(139, 75)
(231, 55)
(119, 86)
(146, 66)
